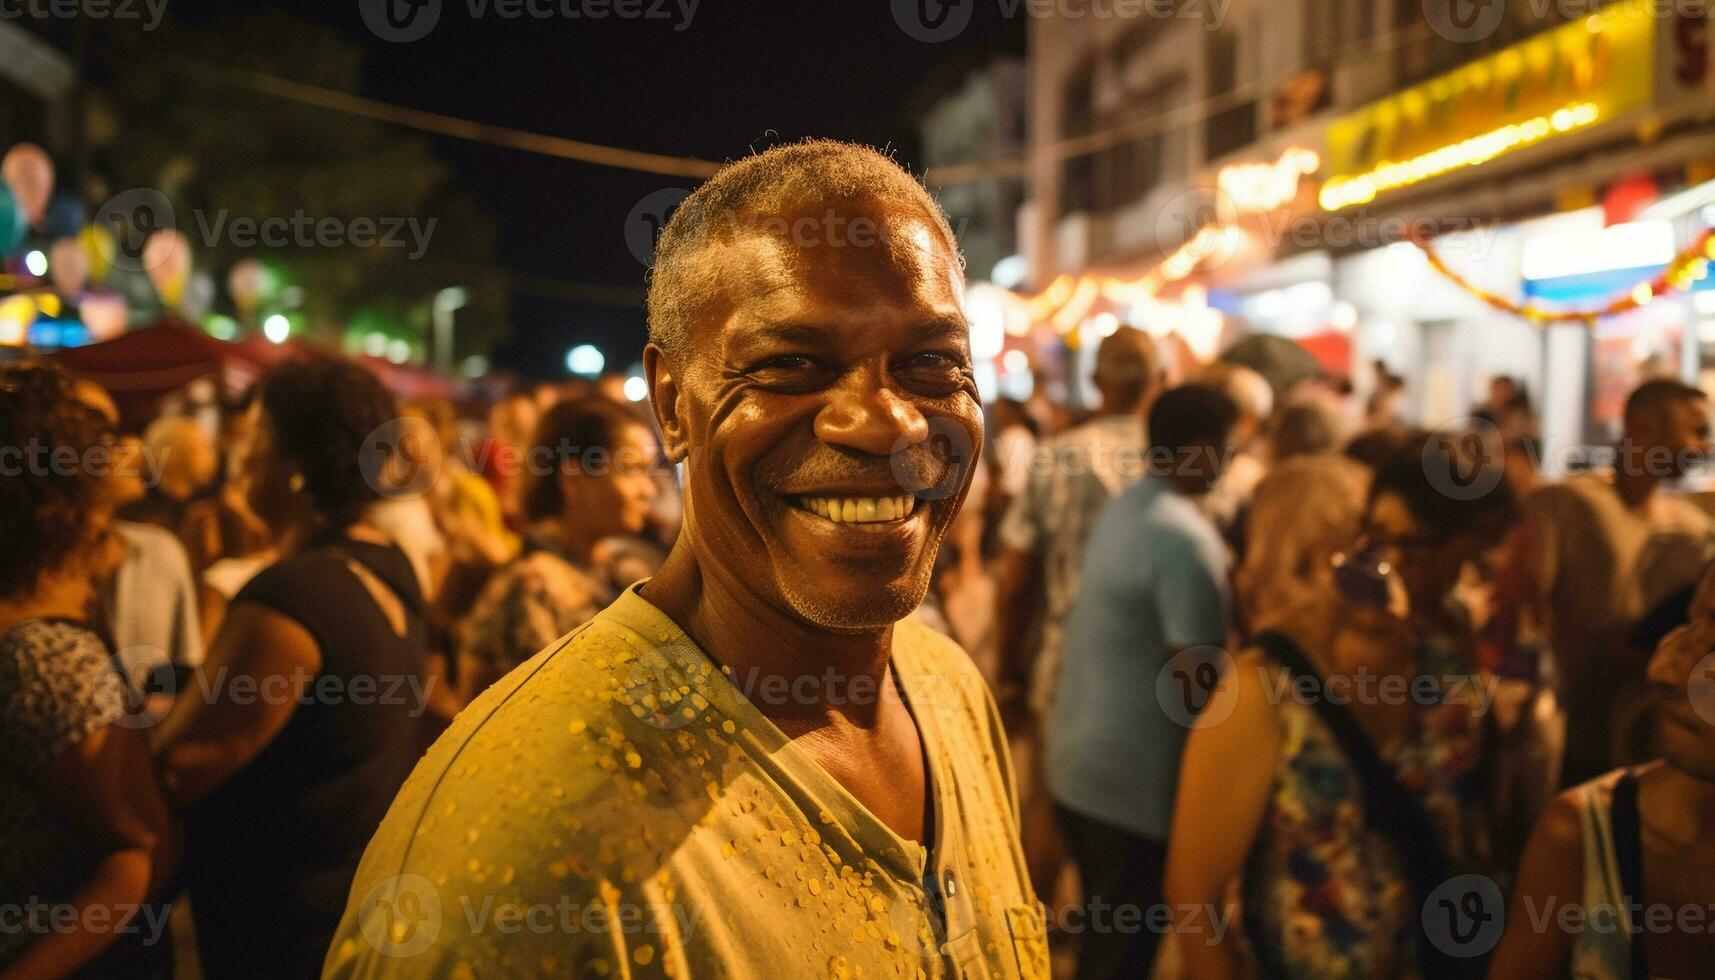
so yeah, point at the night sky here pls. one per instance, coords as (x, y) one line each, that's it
(744, 74)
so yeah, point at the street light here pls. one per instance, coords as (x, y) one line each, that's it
(277, 328)
(446, 301)
(586, 360)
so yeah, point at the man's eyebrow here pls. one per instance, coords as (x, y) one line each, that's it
(791, 332)
(940, 327)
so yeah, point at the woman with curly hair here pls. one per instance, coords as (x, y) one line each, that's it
(305, 719)
(86, 831)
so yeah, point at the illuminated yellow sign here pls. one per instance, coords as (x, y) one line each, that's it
(1592, 69)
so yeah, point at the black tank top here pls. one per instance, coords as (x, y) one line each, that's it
(270, 855)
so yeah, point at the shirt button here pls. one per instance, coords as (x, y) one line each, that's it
(948, 885)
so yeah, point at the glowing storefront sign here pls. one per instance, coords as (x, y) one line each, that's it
(1567, 79)
(1256, 188)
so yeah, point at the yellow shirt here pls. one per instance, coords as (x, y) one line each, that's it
(617, 807)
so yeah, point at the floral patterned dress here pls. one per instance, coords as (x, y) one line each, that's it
(1327, 896)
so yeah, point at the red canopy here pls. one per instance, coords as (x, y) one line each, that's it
(143, 366)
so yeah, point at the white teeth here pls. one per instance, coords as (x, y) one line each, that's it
(859, 510)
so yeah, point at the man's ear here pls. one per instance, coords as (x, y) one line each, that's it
(666, 400)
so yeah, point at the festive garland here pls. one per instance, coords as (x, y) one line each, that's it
(1687, 267)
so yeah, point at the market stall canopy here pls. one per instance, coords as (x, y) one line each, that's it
(143, 366)
(1282, 361)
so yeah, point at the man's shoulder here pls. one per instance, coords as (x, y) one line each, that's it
(601, 728)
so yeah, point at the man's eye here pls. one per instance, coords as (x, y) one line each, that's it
(785, 362)
(936, 360)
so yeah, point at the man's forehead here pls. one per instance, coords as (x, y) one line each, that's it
(774, 265)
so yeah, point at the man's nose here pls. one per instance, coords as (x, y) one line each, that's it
(864, 414)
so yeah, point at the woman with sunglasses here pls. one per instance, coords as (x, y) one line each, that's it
(1619, 877)
(1331, 774)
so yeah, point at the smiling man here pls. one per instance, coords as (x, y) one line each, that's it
(751, 765)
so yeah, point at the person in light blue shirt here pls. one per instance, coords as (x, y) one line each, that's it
(1154, 586)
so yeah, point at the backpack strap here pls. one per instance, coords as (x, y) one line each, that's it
(1390, 808)
(1627, 829)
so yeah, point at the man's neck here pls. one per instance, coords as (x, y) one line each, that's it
(768, 651)
(1635, 486)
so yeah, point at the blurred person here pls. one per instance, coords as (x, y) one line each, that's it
(591, 479)
(1301, 428)
(859, 820)
(1012, 445)
(1628, 846)
(1598, 550)
(1250, 391)
(1504, 391)
(1386, 405)
(1333, 805)
(184, 462)
(1373, 447)
(148, 605)
(1305, 511)
(88, 839)
(1073, 477)
(221, 525)
(1154, 583)
(303, 723)
(511, 424)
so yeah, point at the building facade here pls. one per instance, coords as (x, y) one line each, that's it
(1274, 162)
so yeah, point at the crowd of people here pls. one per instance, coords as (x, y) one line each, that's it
(224, 647)
(1276, 670)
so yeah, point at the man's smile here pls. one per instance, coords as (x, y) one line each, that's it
(857, 509)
